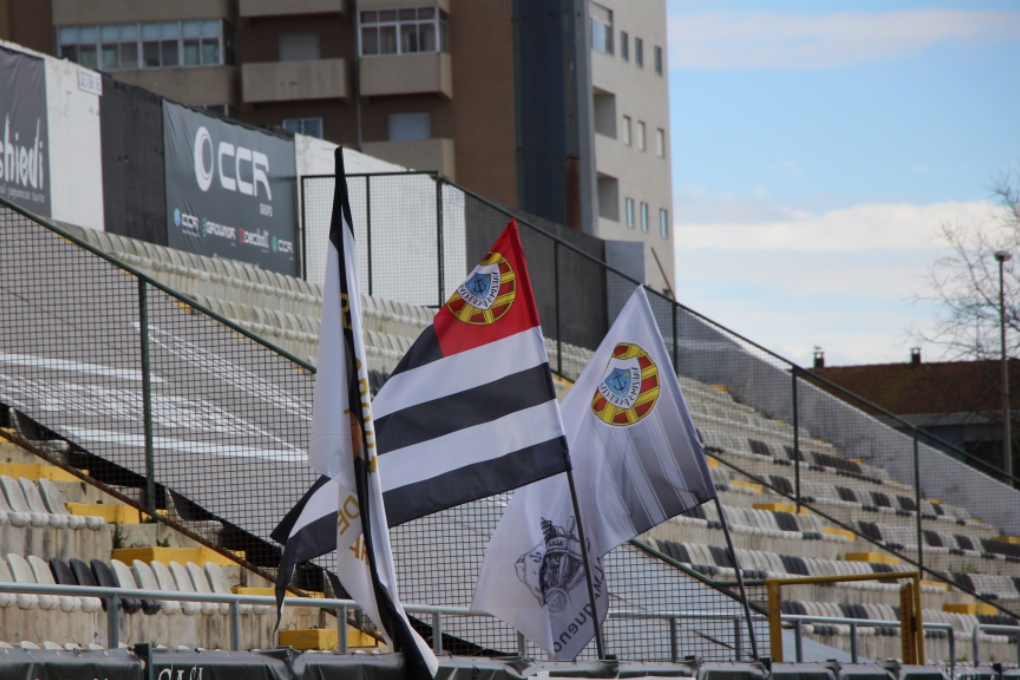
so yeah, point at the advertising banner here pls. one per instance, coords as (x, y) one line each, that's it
(24, 138)
(230, 190)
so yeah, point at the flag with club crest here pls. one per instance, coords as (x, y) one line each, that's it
(637, 462)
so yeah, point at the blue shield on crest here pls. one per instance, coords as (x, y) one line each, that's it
(618, 381)
(479, 284)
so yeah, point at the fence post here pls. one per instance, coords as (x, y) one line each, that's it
(439, 238)
(674, 652)
(341, 626)
(853, 642)
(556, 292)
(112, 624)
(235, 626)
(796, 440)
(917, 501)
(303, 241)
(150, 463)
(437, 633)
(368, 227)
(522, 645)
(738, 648)
(975, 645)
(799, 645)
(676, 343)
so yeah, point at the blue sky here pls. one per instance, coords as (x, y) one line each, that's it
(816, 149)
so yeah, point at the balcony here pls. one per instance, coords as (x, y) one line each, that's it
(427, 73)
(76, 12)
(434, 154)
(284, 81)
(397, 4)
(195, 85)
(273, 8)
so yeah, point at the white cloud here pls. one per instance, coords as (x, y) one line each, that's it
(726, 40)
(719, 222)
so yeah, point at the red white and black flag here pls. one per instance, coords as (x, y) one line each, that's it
(469, 412)
(343, 447)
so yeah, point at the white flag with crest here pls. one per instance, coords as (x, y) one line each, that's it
(637, 462)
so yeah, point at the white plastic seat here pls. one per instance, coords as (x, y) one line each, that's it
(145, 578)
(6, 645)
(16, 507)
(185, 585)
(7, 600)
(43, 576)
(55, 503)
(218, 582)
(25, 644)
(166, 582)
(47, 644)
(35, 504)
(201, 582)
(23, 573)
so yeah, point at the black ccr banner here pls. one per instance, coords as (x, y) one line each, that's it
(230, 190)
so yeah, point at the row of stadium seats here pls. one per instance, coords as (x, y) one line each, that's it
(23, 503)
(156, 576)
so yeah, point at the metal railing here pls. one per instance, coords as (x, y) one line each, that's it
(341, 607)
(855, 626)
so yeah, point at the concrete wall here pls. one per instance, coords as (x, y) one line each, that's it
(74, 12)
(76, 165)
(196, 86)
(755, 379)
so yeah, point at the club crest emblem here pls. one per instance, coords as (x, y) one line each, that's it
(629, 387)
(487, 294)
(553, 567)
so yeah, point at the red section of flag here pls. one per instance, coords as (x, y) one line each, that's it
(458, 335)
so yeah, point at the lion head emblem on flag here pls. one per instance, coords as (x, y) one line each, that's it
(487, 294)
(553, 567)
(629, 387)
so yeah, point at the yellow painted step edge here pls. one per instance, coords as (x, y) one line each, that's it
(198, 555)
(871, 557)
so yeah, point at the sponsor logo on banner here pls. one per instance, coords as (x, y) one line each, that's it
(629, 387)
(24, 135)
(487, 294)
(231, 190)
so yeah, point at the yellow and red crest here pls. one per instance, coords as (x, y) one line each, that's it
(629, 387)
(487, 294)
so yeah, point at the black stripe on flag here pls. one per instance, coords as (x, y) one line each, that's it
(281, 534)
(486, 478)
(425, 350)
(478, 405)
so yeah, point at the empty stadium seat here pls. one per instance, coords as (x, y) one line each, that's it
(43, 576)
(64, 575)
(22, 573)
(219, 584)
(17, 518)
(148, 580)
(102, 575)
(36, 504)
(16, 499)
(126, 579)
(7, 600)
(55, 504)
(201, 582)
(184, 584)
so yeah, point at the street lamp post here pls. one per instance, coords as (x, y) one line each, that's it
(1002, 256)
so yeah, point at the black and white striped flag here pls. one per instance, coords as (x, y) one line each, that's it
(343, 448)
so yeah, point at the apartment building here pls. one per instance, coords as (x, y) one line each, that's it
(561, 113)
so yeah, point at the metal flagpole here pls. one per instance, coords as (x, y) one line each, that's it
(740, 579)
(587, 568)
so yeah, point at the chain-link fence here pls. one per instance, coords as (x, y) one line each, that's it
(798, 435)
(189, 417)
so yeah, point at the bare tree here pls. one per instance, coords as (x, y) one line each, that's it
(964, 284)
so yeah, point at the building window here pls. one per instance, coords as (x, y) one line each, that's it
(644, 217)
(639, 52)
(301, 46)
(407, 127)
(118, 47)
(624, 46)
(660, 143)
(658, 60)
(664, 223)
(304, 126)
(625, 136)
(601, 28)
(630, 213)
(641, 135)
(403, 31)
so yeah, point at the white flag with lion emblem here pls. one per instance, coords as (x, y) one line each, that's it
(637, 462)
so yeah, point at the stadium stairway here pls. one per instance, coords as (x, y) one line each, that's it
(753, 461)
(56, 528)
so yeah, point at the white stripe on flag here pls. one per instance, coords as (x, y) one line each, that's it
(460, 372)
(324, 501)
(477, 444)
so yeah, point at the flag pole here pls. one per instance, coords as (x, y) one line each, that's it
(740, 579)
(599, 648)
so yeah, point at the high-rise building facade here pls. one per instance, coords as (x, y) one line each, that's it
(556, 107)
